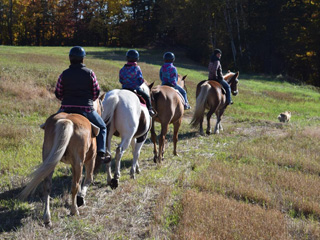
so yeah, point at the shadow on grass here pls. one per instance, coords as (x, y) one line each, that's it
(12, 213)
(10, 216)
(169, 137)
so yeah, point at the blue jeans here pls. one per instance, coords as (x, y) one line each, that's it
(226, 86)
(183, 93)
(95, 118)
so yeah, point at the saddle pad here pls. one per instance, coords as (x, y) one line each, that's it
(141, 99)
(181, 97)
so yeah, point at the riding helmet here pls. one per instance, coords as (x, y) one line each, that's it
(132, 55)
(169, 56)
(77, 51)
(217, 51)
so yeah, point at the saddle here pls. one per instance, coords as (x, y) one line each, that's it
(222, 88)
(141, 99)
(95, 129)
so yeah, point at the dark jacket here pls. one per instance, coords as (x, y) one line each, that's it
(77, 86)
(215, 69)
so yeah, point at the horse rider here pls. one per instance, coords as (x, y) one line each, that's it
(169, 76)
(78, 88)
(130, 76)
(215, 73)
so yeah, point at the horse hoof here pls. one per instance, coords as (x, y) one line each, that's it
(132, 174)
(74, 212)
(114, 183)
(48, 224)
(80, 201)
(155, 159)
(138, 170)
(208, 132)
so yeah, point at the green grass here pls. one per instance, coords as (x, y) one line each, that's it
(265, 168)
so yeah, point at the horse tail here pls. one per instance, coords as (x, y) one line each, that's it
(201, 102)
(63, 133)
(109, 109)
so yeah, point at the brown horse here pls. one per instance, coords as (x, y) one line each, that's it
(69, 138)
(170, 107)
(210, 95)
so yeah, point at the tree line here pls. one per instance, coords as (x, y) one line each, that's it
(271, 37)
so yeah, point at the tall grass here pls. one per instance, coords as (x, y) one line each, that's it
(258, 179)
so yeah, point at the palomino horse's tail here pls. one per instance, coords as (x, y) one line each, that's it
(112, 102)
(63, 133)
(200, 104)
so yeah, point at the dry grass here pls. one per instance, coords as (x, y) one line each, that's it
(277, 172)
(212, 216)
(259, 179)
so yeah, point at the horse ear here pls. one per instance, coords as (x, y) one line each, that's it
(184, 77)
(102, 96)
(229, 71)
(151, 85)
(43, 125)
(238, 74)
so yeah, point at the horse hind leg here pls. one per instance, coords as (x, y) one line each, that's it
(108, 166)
(209, 114)
(162, 138)
(89, 167)
(136, 148)
(154, 141)
(218, 126)
(119, 153)
(76, 178)
(47, 183)
(176, 127)
(201, 127)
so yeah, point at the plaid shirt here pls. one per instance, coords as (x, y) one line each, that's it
(130, 76)
(95, 92)
(169, 74)
(215, 70)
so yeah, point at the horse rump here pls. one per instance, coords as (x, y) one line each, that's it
(57, 138)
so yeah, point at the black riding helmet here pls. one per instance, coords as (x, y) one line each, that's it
(217, 51)
(132, 55)
(77, 54)
(169, 56)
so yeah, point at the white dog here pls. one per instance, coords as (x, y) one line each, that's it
(285, 116)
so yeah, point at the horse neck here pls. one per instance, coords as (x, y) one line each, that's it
(145, 88)
(229, 78)
(180, 83)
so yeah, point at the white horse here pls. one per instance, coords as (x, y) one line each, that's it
(125, 117)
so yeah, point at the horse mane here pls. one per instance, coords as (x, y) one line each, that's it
(228, 75)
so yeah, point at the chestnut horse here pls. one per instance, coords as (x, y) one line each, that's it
(210, 95)
(170, 107)
(70, 138)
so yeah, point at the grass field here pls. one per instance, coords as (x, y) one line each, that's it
(258, 179)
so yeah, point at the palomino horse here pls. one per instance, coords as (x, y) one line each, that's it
(125, 117)
(70, 138)
(170, 107)
(210, 96)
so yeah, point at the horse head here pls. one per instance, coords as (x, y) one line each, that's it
(97, 104)
(232, 79)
